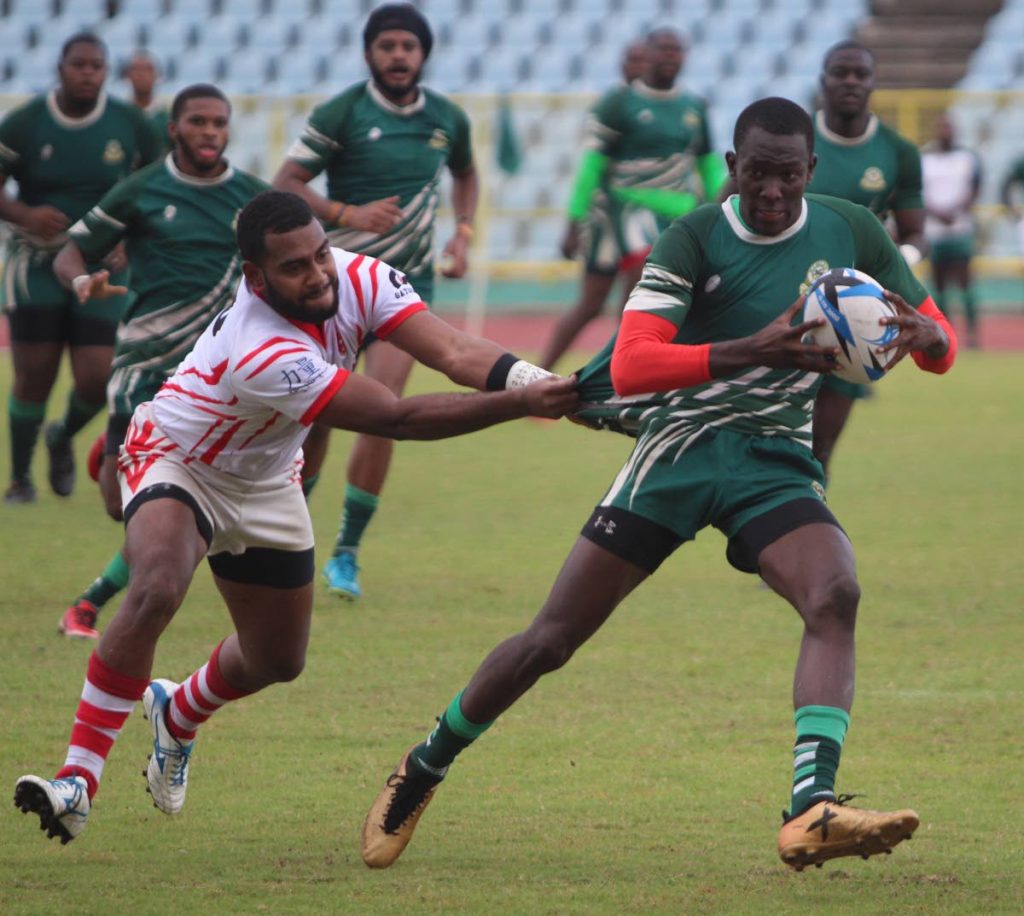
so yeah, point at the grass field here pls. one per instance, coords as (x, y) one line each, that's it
(646, 777)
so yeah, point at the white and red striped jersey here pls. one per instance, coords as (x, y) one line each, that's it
(241, 401)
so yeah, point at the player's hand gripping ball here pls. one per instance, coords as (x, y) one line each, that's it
(852, 303)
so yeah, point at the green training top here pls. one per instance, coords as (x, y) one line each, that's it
(179, 234)
(879, 169)
(649, 142)
(371, 148)
(715, 280)
(70, 163)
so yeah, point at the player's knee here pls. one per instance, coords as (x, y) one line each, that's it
(155, 594)
(548, 650)
(835, 603)
(282, 666)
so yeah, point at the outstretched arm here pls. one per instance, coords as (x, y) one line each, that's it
(366, 406)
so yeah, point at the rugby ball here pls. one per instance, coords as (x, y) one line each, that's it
(852, 303)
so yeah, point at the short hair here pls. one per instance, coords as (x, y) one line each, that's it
(847, 45)
(196, 91)
(269, 212)
(87, 38)
(774, 115)
(664, 31)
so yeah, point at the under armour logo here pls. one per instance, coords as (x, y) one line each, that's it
(607, 524)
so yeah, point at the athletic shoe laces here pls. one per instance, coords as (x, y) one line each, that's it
(177, 758)
(410, 793)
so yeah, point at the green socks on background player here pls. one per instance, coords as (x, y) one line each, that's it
(25, 421)
(109, 583)
(359, 508)
(820, 731)
(452, 734)
(76, 415)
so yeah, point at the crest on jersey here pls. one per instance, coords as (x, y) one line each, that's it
(374, 134)
(819, 490)
(114, 153)
(645, 116)
(170, 211)
(438, 139)
(46, 152)
(691, 119)
(817, 269)
(873, 179)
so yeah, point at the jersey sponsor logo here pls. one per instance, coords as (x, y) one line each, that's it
(645, 116)
(114, 153)
(46, 152)
(170, 211)
(400, 282)
(438, 139)
(301, 373)
(873, 179)
(374, 134)
(816, 270)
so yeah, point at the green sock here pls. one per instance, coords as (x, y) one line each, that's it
(109, 583)
(24, 420)
(971, 311)
(820, 731)
(355, 516)
(77, 414)
(452, 734)
(308, 483)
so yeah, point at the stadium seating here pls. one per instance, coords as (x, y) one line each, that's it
(739, 49)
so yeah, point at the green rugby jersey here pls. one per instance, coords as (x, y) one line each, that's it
(879, 169)
(715, 280)
(371, 148)
(179, 234)
(70, 163)
(652, 139)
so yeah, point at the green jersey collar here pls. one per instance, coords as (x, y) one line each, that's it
(731, 209)
(179, 175)
(75, 123)
(405, 110)
(832, 137)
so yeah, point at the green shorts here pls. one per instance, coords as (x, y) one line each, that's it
(851, 390)
(681, 479)
(617, 235)
(960, 248)
(42, 311)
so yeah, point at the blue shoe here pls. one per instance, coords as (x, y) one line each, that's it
(167, 773)
(342, 575)
(62, 804)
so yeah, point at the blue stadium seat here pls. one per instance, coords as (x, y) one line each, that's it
(220, 34)
(470, 33)
(549, 73)
(34, 71)
(298, 73)
(169, 36)
(725, 30)
(272, 34)
(245, 10)
(91, 11)
(345, 68)
(121, 34)
(29, 12)
(318, 35)
(246, 71)
(193, 10)
(518, 31)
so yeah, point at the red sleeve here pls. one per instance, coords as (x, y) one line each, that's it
(645, 359)
(384, 331)
(314, 409)
(943, 363)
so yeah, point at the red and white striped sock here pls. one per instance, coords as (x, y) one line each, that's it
(199, 697)
(108, 698)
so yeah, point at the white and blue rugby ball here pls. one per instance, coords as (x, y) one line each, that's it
(852, 303)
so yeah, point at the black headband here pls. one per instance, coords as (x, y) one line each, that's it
(402, 16)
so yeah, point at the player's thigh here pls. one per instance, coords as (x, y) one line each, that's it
(35, 368)
(809, 563)
(163, 543)
(388, 365)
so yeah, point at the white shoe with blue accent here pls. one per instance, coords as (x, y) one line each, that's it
(167, 773)
(342, 575)
(62, 804)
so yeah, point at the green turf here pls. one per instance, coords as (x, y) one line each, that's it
(645, 777)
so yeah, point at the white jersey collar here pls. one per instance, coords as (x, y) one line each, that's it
(649, 92)
(832, 137)
(736, 224)
(387, 105)
(75, 123)
(179, 175)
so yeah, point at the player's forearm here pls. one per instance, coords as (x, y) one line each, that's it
(591, 170)
(324, 208)
(440, 416)
(13, 211)
(938, 357)
(465, 195)
(69, 264)
(645, 359)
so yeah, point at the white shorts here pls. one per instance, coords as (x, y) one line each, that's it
(232, 513)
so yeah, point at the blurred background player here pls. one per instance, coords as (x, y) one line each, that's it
(383, 144)
(65, 149)
(647, 159)
(1011, 193)
(952, 181)
(143, 74)
(177, 219)
(862, 160)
